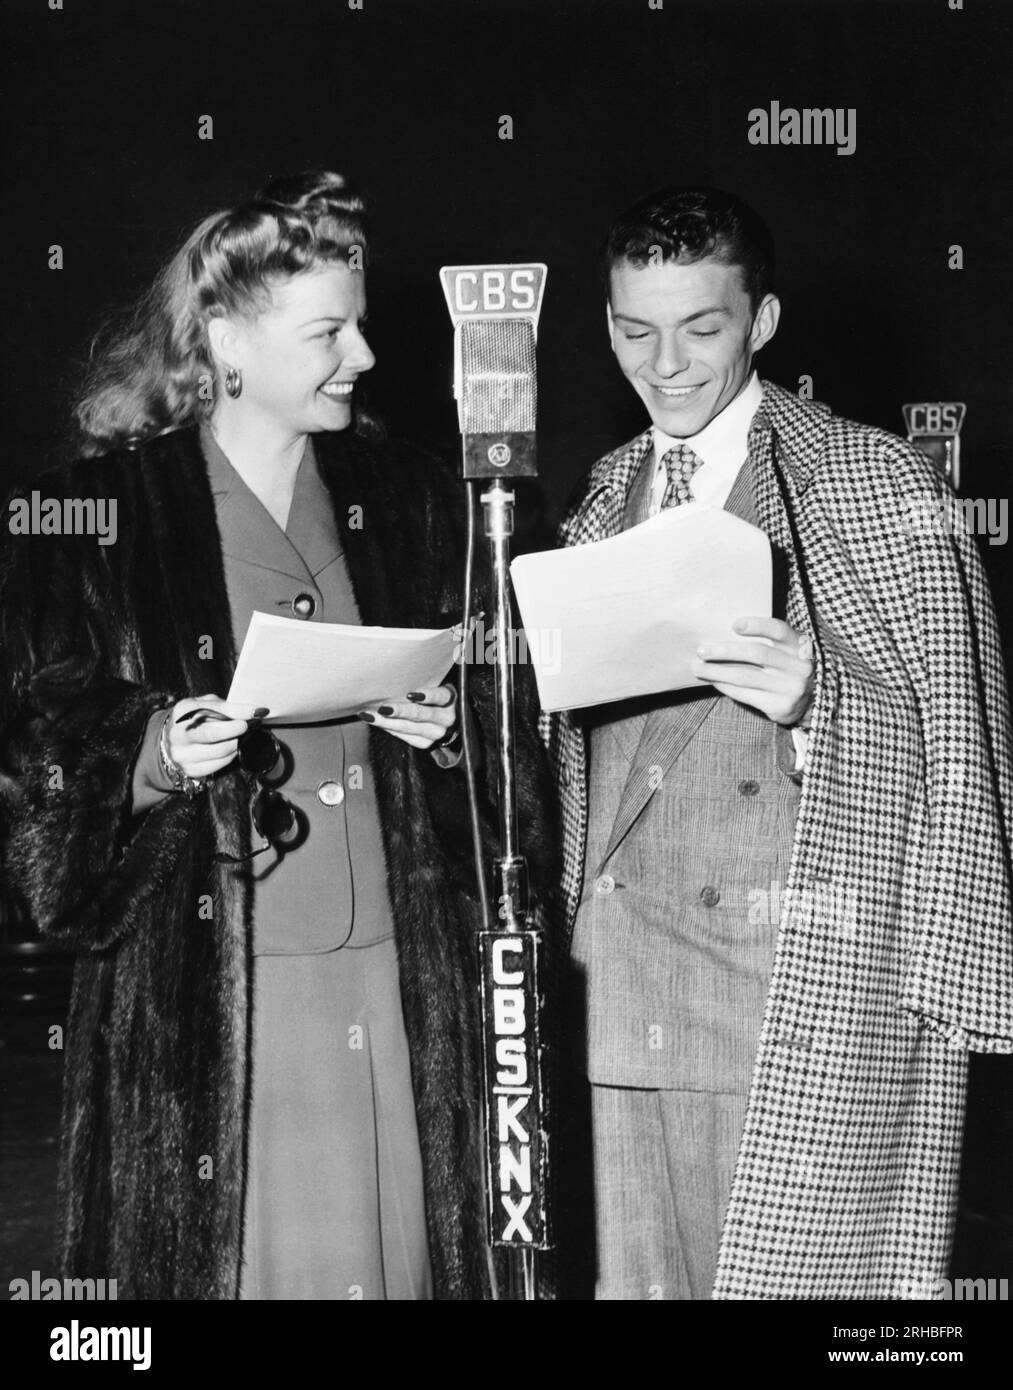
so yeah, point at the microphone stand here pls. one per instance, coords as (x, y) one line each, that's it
(510, 868)
(495, 309)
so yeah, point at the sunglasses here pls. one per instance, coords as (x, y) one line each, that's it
(275, 819)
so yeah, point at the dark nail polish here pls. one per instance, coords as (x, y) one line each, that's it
(385, 710)
(367, 717)
(417, 696)
(261, 712)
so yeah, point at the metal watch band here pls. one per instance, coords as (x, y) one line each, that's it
(172, 771)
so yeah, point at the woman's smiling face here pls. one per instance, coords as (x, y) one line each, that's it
(300, 357)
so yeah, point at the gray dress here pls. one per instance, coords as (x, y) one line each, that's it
(334, 1200)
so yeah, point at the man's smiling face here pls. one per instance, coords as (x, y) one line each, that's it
(684, 336)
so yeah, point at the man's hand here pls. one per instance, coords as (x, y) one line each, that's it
(423, 718)
(771, 668)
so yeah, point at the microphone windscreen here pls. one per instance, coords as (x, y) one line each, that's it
(497, 362)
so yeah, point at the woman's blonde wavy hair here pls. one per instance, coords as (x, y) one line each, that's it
(151, 370)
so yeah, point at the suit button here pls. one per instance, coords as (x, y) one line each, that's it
(749, 787)
(709, 896)
(330, 793)
(304, 605)
(606, 884)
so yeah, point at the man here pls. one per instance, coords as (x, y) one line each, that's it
(789, 889)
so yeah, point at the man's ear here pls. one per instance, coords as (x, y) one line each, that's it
(765, 322)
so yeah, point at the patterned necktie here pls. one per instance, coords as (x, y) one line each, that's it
(681, 463)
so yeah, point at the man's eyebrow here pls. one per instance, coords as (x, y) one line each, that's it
(702, 313)
(690, 318)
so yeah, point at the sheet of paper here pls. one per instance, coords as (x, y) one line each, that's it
(622, 617)
(304, 672)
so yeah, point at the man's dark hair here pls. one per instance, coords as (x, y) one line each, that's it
(695, 224)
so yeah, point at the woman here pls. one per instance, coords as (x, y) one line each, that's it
(271, 1075)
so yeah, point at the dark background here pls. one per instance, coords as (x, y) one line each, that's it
(99, 108)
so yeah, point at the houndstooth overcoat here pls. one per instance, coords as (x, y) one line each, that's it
(894, 955)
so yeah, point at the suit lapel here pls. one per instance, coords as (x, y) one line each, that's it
(740, 500)
(668, 729)
(262, 537)
(310, 528)
(665, 734)
(602, 513)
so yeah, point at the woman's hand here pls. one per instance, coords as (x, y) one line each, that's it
(423, 719)
(205, 743)
(774, 675)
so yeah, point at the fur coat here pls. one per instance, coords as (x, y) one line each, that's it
(97, 637)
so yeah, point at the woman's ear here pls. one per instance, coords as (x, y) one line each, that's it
(223, 339)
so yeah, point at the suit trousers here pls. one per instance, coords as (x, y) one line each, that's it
(659, 1210)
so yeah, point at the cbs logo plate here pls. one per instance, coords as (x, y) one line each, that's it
(934, 428)
(493, 291)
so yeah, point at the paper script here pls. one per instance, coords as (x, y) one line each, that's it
(623, 616)
(304, 672)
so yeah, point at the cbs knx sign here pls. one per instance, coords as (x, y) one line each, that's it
(515, 1141)
(493, 291)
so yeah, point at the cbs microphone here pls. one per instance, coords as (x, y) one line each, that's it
(934, 428)
(495, 311)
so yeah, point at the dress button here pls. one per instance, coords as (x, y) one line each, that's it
(709, 896)
(605, 884)
(304, 605)
(330, 793)
(749, 787)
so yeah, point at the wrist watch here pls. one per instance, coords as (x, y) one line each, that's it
(171, 770)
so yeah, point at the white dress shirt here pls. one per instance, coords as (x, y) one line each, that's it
(722, 445)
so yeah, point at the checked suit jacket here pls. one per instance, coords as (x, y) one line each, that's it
(846, 1177)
